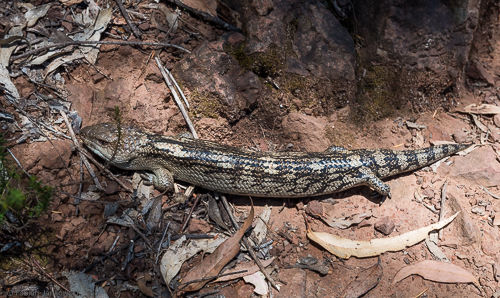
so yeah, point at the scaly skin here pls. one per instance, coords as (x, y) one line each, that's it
(238, 171)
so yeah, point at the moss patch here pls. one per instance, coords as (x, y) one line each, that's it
(265, 64)
(205, 105)
(379, 93)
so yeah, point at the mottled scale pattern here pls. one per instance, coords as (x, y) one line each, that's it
(238, 171)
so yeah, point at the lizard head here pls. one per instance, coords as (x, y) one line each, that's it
(118, 146)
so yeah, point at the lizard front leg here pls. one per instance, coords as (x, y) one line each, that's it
(162, 179)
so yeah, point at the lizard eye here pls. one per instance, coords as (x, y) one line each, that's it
(101, 142)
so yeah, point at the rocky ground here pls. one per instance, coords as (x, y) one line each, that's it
(293, 79)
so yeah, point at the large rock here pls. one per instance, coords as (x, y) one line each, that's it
(298, 47)
(218, 84)
(303, 46)
(480, 166)
(298, 55)
(314, 41)
(414, 51)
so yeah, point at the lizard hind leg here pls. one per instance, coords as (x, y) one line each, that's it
(381, 189)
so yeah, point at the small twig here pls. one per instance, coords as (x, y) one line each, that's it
(189, 192)
(103, 168)
(114, 244)
(441, 211)
(161, 242)
(92, 43)
(247, 244)
(430, 207)
(49, 128)
(97, 69)
(18, 162)
(210, 278)
(171, 206)
(490, 193)
(176, 97)
(177, 87)
(192, 236)
(421, 293)
(136, 229)
(130, 255)
(95, 241)
(133, 28)
(205, 16)
(77, 145)
(80, 189)
(48, 275)
(197, 199)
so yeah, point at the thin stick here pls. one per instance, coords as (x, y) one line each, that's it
(205, 16)
(189, 192)
(136, 229)
(18, 162)
(95, 241)
(103, 168)
(197, 199)
(77, 145)
(97, 42)
(48, 275)
(176, 98)
(178, 88)
(490, 193)
(161, 242)
(248, 246)
(183, 285)
(80, 188)
(441, 211)
(133, 28)
(114, 244)
(46, 126)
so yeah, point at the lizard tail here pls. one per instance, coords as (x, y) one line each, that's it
(395, 162)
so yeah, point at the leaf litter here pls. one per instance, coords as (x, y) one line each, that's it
(246, 268)
(365, 281)
(436, 271)
(210, 267)
(345, 248)
(179, 252)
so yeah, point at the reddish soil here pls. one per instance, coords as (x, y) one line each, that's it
(77, 238)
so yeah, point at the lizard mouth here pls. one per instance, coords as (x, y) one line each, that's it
(95, 147)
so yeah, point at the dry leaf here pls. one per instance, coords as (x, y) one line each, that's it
(364, 282)
(436, 271)
(146, 290)
(179, 252)
(70, 2)
(213, 264)
(259, 281)
(250, 268)
(260, 229)
(496, 220)
(345, 248)
(479, 124)
(484, 109)
(435, 250)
